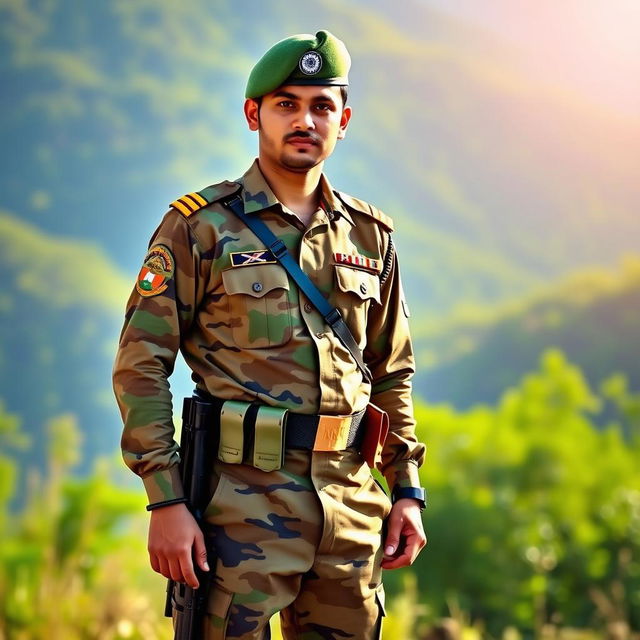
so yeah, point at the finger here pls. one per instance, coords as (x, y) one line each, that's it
(393, 535)
(155, 564)
(403, 560)
(413, 549)
(164, 567)
(421, 543)
(186, 567)
(175, 570)
(414, 540)
(200, 552)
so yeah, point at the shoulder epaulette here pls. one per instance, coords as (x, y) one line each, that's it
(366, 208)
(192, 202)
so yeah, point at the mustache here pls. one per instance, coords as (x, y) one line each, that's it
(303, 134)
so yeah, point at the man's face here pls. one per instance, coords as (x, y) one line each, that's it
(299, 125)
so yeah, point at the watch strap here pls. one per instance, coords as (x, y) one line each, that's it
(416, 493)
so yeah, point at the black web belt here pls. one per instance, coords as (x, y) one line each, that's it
(301, 428)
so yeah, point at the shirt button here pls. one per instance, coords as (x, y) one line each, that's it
(363, 288)
(307, 307)
(257, 286)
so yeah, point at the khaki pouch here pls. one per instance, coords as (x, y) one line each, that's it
(268, 446)
(376, 430)
(231, 444)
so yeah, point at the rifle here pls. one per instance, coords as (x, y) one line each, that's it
(195, 467)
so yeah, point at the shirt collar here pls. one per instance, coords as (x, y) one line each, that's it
(332, 203)
(257, 194)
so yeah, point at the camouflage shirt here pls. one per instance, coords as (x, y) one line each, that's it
(209, 290)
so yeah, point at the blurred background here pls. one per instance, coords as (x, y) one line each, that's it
(503, 137)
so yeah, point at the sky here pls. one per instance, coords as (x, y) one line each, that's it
(594, 45)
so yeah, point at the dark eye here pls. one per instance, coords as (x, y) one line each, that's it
(323, 106)
(285, 103)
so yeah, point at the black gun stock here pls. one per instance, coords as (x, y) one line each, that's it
(195, 466)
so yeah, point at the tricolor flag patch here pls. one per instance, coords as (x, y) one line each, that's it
(356, 260)
(157, 270)
(245, 258)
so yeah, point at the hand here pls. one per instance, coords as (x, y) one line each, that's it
(173, 532)
(405, 534)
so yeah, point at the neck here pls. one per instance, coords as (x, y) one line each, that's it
(297, 190)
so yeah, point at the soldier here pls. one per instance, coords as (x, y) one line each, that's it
(310, 535)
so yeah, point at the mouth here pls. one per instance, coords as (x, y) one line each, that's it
(302, 143)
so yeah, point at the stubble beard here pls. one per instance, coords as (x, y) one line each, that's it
(297, 160)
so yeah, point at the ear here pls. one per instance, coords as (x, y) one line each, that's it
(251, 114)
(344, 122)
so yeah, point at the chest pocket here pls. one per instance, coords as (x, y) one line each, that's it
(355, 291)
(258, 305)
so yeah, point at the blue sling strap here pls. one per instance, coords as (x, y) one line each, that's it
(279, 250)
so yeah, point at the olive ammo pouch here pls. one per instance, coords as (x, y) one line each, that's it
(252, 433)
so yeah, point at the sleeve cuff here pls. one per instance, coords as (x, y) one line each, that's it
(403, 473)
(164, 485)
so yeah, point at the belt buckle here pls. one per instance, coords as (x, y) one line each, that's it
(332, 433)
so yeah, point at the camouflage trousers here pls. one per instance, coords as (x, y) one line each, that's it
(305, 540)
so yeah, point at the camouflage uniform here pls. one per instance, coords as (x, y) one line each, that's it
(305, 539)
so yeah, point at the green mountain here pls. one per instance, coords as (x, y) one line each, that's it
(498, 178)
(592, 315)
(60, 307)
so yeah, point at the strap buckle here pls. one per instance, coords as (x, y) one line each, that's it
(231, 202)
(278, 248)
(333, 317)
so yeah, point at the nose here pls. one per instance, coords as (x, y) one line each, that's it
(304, 120)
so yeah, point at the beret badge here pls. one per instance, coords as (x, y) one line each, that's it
(310, 63)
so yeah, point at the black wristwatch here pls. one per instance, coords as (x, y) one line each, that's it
(417, 493)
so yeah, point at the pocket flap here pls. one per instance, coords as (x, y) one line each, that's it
(217, 618)
(255, 280)
(218, 602)
(364, 284)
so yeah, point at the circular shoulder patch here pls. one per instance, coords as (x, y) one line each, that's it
(310, 63)
(157, 270)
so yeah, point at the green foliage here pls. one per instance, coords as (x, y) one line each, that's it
(11, 438)
(70, 562)
(535, 514)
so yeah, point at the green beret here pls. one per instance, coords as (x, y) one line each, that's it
(301, 59)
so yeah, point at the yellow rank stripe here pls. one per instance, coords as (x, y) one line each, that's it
(199, 199)
(180, 207)
(189, 203)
